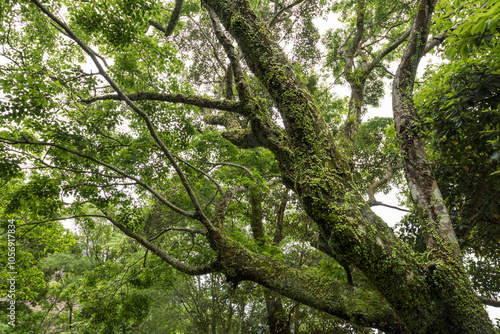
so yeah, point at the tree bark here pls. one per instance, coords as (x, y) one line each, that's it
(427, 297)
(277, 318)
(464, 312)
(426, 195)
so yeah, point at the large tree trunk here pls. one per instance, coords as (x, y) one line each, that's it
(427, 297)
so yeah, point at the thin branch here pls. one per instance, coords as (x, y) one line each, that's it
(388, 206)
(98, 185)
(116, 170)
(182, 229)
(200, 171)
(183, 267)
(391, 47)
(274, 20)
(55, 219)
(214, 48)
(241, 84)
(77, 171)
(471, 222)
(439, 38)
(384, 17)
(482, 210)
(386, 70)
(248, 171)
(199, 211)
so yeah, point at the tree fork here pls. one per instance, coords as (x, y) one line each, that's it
(325, 187)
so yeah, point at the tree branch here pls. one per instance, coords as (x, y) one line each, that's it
(182, 229)
(439, 232)
(182, 267)
(338, 298)
(241, 83)
(55, 219)
(200, 215)
(174, 17)
(493, 199)
(439, 38)
(490, 302)
(198, 101)
(391, 47)
(278, 233)
(376, 203)
(208, 176)
(76, 171)
(275, 19)
(378, 183)
(116, 170)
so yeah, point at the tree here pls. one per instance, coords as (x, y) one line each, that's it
(132, 133)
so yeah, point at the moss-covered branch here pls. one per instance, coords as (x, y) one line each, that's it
(355, 304)
(421, 181)
(193, 100)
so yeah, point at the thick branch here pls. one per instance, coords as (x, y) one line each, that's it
(157, 25)
(278, 233)
(371, 190)
(256, 223)
(339, 299)
(360, 27)
(174, 18)
(198, 101)
(439, 38)
(241, 83)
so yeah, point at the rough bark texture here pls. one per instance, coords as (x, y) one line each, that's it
(277, 316)
(354, 116)
(421, 181)
(427, 297)
(464, 313)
